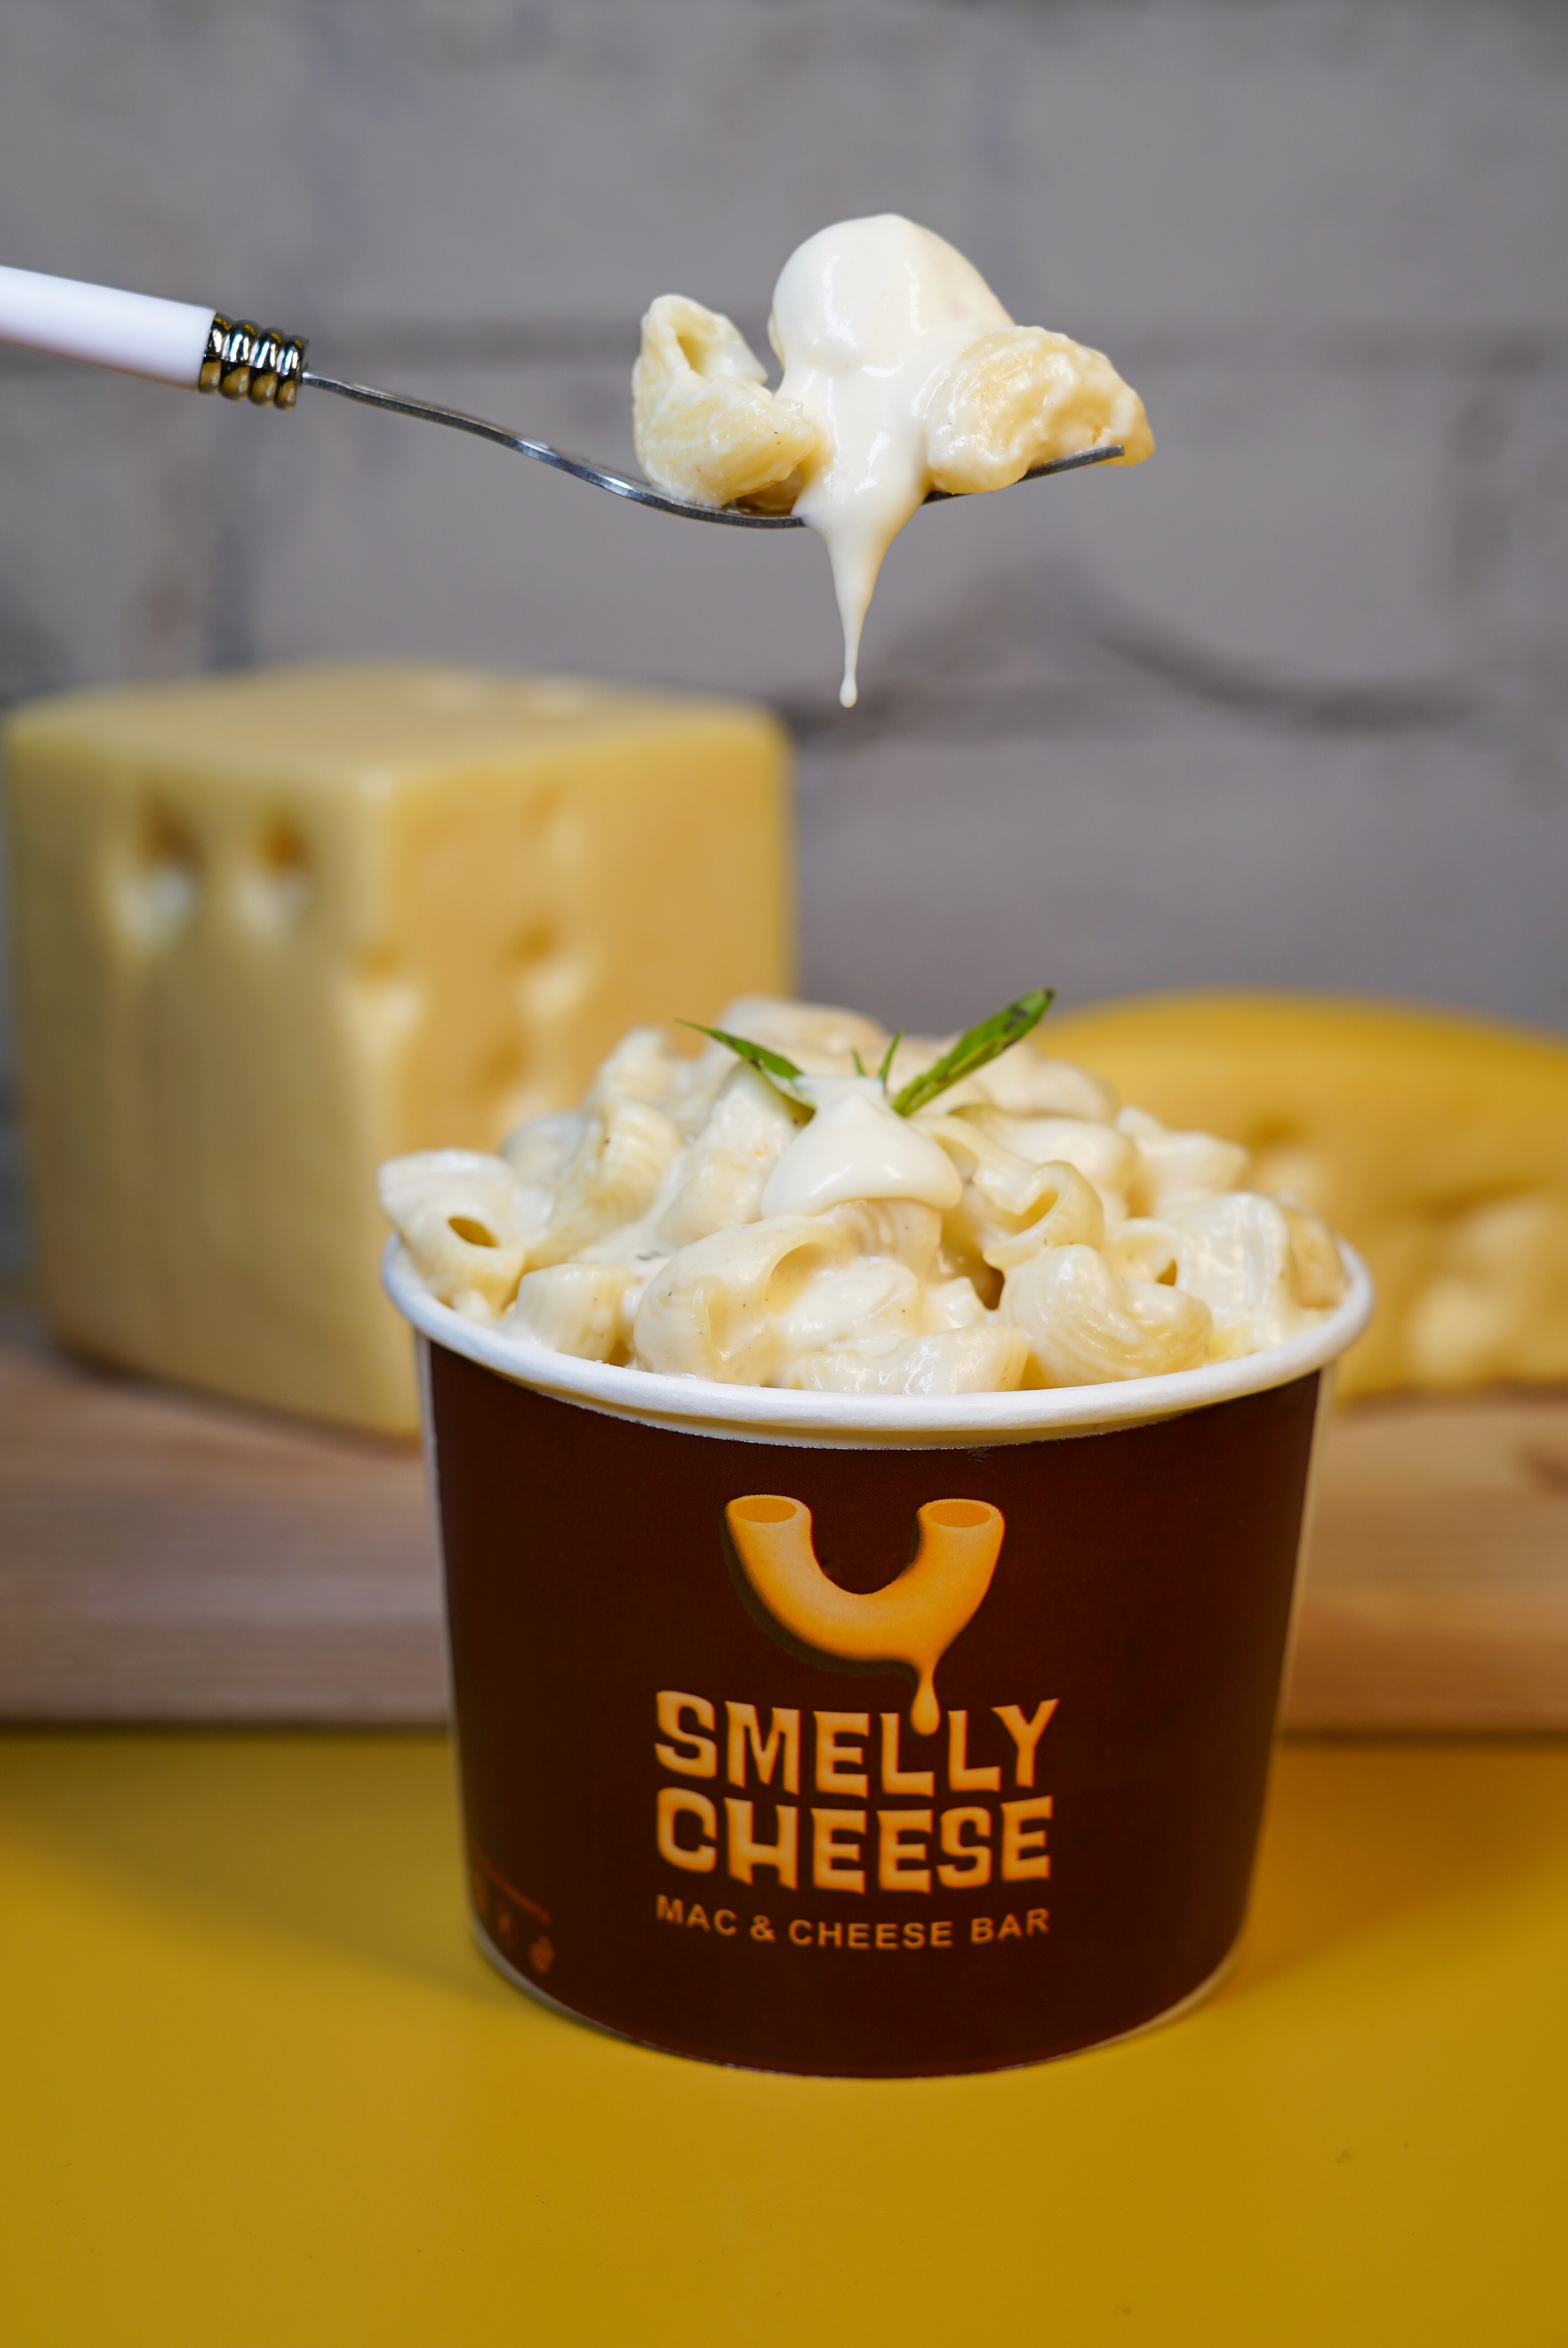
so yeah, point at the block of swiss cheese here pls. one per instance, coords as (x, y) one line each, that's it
(1437, 1145)
(270, 929)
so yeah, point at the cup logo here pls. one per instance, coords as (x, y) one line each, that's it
(912, 1621)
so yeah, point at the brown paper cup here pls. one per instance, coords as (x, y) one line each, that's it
(862, 1736)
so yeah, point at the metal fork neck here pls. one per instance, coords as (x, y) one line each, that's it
(620, 485)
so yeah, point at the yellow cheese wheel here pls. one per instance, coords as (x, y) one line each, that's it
(1437, 1145)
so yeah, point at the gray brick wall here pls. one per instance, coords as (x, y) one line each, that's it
(1287, 706)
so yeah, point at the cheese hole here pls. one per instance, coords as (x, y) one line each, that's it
(158, 889)
(1459, 1209)
(475, 1234)
(549, 980)
(382, 1004)
(535, 943)
(500, 1095)
(276, 883)
(503, 1069)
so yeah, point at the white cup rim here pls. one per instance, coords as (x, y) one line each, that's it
(870, 1422)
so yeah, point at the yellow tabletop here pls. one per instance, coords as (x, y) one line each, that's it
(257, 2086)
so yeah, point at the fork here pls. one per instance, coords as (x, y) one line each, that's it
(201, 350)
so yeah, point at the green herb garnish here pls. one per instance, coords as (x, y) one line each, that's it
(781, 1074)
(975, 1049)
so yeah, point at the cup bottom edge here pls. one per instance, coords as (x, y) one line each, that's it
(1195, 1996)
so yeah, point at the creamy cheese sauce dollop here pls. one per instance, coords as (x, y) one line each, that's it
(867, 317)
(856, 1147)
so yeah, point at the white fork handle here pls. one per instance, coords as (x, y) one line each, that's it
(137, 333)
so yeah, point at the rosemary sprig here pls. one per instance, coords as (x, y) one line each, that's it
(975, 1049)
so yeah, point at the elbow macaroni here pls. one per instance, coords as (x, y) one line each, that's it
(1087, 1244)
(1020, 396)
(704, 423)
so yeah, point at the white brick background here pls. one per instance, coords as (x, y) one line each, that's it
(1290, 706)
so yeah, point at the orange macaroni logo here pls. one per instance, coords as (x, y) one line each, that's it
(911, 1620)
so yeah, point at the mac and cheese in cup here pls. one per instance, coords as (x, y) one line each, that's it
(867, 1614)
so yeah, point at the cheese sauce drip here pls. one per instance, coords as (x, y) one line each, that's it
(867, 319)
(902, 373)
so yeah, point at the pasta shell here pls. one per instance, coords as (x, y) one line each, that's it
(1175, 1170)
(1145, 1249)
(1026, 1082)
(987, 1360)
(466, 1222)
(1020, 396)
(613, 1178)
(711, 1312)
(1236, 1254)
(904, 1228)
(1003, 1195)
(1087, 1327)
(1317, 1271)
(1066, 1212)
(574, 1307)
(704, 425)
(1104, 1157)
(642, 1067)
(817, 1036)
(747, 1131)
(540, 1150)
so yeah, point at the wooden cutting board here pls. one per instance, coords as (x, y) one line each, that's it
(165, 1558)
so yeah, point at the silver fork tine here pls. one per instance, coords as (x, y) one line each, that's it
(1074, 464)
